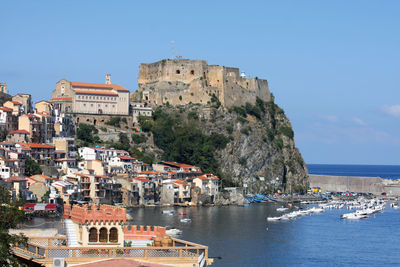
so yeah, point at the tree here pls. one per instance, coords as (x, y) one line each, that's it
(32, 167)
(85, 132)
(10, 217)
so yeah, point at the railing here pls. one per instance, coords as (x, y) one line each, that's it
(42, 248)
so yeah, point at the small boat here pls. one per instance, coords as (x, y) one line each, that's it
(353, 216)
(182, 213)
(281, 209)
(186, 220)
(273, 219)
(169, 212)
(173, 232)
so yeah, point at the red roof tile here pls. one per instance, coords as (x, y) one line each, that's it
(61, 99)
(16, 102)
(6, 109)
(19, 132)
(99, 85)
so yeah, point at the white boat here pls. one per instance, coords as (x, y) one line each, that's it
(285, 218)
(281, 209)
(169, 212)
(186, 220)
(273, 219)
(353, 216)
(316, 210)
(173, 232)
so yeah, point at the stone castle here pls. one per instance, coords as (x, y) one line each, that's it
(184, 81)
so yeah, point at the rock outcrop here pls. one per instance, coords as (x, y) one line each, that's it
(261, 152)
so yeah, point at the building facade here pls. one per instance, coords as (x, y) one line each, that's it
(90, 98)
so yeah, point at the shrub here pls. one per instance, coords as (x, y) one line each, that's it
(229, 129)
(138, 139)
(245, 130)
(278, 143)
(243, 161)
(193, 115)
(242, 120)
(104, 129)
(285, 130)
(240, 110)
(114, 121)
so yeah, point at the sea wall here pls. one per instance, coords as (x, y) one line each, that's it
(372, 185)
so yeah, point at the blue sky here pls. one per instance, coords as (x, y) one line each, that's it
(332, 65)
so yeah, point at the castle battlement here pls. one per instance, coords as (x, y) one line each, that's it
(184, 81)
(97, 214)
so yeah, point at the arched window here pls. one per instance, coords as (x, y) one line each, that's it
(103, 235)
(113, 235)
(93, 235)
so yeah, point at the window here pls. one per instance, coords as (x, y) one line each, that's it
(103, 235)
(113, 237)
(93, 235)
(178, 72)
(192, 72)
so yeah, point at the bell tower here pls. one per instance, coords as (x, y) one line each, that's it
(108, 78)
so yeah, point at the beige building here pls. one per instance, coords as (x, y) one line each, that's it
(91, 98)
(16, 106)
(44, 106)
(26, 101)
(33, 124)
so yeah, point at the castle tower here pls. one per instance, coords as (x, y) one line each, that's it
(108, 78)
(3, 88)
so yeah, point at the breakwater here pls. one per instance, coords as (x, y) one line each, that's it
(374, 185)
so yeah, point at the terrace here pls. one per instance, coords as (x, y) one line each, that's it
(43, 250)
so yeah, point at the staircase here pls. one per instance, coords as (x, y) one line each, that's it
(70, 230)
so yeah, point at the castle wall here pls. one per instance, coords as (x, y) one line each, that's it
(180, 82)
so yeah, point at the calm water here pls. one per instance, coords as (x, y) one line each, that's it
(242, 237)
(383, 171)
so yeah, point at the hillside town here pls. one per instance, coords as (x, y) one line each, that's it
(41, 160)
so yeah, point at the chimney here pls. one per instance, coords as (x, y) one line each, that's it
(108, 78)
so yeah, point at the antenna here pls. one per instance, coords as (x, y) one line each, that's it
(172, 49)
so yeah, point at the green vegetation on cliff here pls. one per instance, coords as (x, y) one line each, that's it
(184, 141)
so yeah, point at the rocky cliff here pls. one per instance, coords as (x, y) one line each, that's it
(255, 144)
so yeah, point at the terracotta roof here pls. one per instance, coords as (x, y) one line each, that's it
(24, 146)
(16, 179)
(33, 145)
(61, 99)
(30, 178)
(19, 132)
(6, 109)
(99, 85)
(45, 177)
(65, 160)
(16, 102)
(208, 177)
(31, 115)
(180, 182)
(126, 158)
(44, 114)
(87, 92)
(180, 165)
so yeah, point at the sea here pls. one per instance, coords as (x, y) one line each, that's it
(241, 236)
(382, 171)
